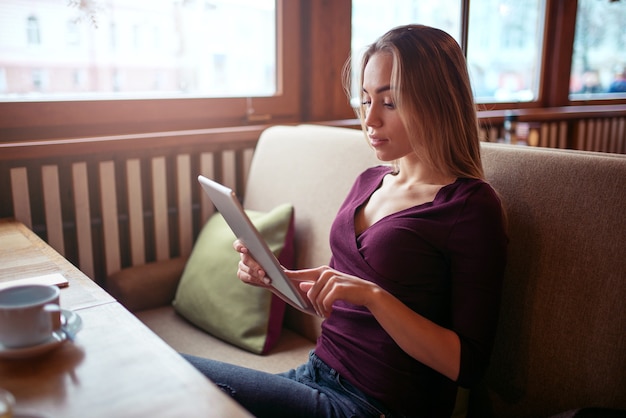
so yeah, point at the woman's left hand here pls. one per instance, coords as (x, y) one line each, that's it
(324, 286)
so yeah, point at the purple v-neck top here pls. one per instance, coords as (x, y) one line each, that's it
(445, 260)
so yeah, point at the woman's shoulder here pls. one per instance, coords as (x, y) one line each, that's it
(377, 170)
(472, 190)
(472, 185)
(374, 174)
(368, 180)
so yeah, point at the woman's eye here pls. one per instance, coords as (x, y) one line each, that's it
(388, 105)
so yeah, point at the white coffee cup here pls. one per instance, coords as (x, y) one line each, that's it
(29, 314)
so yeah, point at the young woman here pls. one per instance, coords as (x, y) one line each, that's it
(412, 292)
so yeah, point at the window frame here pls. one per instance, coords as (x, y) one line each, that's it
(313, 43)
(556, 62)
(538, 102)
(48, 119)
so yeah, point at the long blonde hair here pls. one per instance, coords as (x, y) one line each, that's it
(433, 94)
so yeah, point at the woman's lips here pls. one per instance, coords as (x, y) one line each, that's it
(376, 142)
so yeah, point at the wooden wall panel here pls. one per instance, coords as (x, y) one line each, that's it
(121, 201)
(125, 201)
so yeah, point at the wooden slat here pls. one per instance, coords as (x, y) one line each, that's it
(579, 141)
(554, 134)
(110, 224)
(207, 169)
(544, 139)
(489, 133)
(229, 169)
(247, 161)
(613, 141)
(605, 136)
(183, 176)
(135, 212)
(599, 137)
(621, 136)
(159, 203)
(562, 141)
(482, 134)
(611, 126)
(52, 207)
(494, 135)
(21, 196)
(534, 136)
(589, 132)
(80, 184)
(596, 136)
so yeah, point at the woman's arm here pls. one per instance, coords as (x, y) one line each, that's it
(431, 344)
(435, 346)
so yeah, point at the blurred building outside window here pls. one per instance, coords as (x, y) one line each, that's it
(107, 49)
(599, 58)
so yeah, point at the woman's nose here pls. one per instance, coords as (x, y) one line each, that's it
(372, 118)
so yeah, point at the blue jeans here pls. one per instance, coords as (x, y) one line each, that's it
(311, 390)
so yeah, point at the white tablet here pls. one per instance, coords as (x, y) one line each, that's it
(228, 205)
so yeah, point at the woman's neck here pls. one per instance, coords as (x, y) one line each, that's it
(413, 171)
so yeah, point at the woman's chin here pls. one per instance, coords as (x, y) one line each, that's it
(385, 156)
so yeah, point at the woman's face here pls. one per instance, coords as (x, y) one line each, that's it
(385, 129)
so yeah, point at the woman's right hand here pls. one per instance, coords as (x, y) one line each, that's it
(249, 271)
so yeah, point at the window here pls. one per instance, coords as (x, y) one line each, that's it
(32, 31)
(78, 78)
(221, 48)
(210, 63)
(112, 36)
(504, 39)
(599, 58)
(73, 33)
(38, 82)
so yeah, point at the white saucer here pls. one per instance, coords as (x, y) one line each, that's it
(72, 323)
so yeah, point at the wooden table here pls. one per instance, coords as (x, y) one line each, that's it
(116, 367)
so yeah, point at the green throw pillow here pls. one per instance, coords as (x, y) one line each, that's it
(212, 297)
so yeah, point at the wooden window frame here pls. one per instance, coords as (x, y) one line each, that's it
(29, 120)
(313, 44)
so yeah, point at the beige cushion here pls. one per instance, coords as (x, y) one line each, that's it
(290, 351)
(561, 342)
(313, 168)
